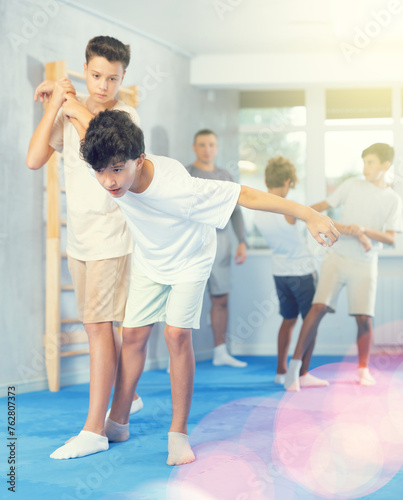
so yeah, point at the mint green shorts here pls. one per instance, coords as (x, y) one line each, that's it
(149, 302)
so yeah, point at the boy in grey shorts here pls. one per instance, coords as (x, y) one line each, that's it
(371, 210)
(173, 218)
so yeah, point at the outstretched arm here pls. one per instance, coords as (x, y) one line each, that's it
(317, 223)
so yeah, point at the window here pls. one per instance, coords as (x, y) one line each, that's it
(323, 131)
(271, 123)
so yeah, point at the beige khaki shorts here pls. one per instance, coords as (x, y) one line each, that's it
(359, 277)
(101, 288)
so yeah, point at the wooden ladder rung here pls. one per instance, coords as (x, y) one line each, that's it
(66, 354)
(69, 321)
(63, 223)
(63, 255)
(68, 288)
(69, 338)
(63, 189)
(76, 337)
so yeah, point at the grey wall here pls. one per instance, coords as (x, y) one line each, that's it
(34, 33)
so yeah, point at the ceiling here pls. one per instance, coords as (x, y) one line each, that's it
(198, 27)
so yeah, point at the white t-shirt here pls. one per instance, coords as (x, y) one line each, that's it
(174, 222)
(366, 205)
(96, 228)
(291, 256)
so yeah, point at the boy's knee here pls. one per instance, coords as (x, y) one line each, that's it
(132, 336)
(319, 309)
(220, 301)
(364, 322)
(176, 335)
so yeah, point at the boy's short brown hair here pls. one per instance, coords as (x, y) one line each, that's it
(278, 170)
(112, 49)
(383, 151)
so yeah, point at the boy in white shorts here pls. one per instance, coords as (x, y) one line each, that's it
(370, 209)
(99, 244)
(173, 218)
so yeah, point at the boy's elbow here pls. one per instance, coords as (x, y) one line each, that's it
(31, 164)
(390, 238)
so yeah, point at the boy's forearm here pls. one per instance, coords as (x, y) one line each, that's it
(258, 200)
(318, 225)
(80, 129)
(342, 228)
(387, 237)
(39, 149)
(84, 117)
(321, 206)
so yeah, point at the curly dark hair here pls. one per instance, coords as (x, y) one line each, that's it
(383, 151)
(111, 138)
(106, 46)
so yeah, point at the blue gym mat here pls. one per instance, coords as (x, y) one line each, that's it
(252, 440)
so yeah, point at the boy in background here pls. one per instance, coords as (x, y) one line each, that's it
(372, 210)
(173, 217)
(99, 243)
(293, 266)
(205, 147)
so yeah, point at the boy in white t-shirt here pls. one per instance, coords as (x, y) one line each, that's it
(293, 266)
(99, 244)
(173, 217)
(372, 210)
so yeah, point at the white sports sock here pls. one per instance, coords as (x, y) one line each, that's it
(309, 380)
(292, 377)
(86, 443)
(365, 377)
(280, 378)
(136, 406)
(116, 432)
(179, 450)
(222, 357)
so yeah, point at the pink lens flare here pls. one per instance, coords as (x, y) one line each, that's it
(223, 470)
(340, 438)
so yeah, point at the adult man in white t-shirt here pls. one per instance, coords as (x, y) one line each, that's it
(173, 218)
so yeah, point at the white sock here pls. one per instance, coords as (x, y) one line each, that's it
(222, 357)
(292, 376)
(116, 432)
(136, 406)
(365, 377)
(280, 378)
(309, 380)
(86, 443)
(179, 450)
